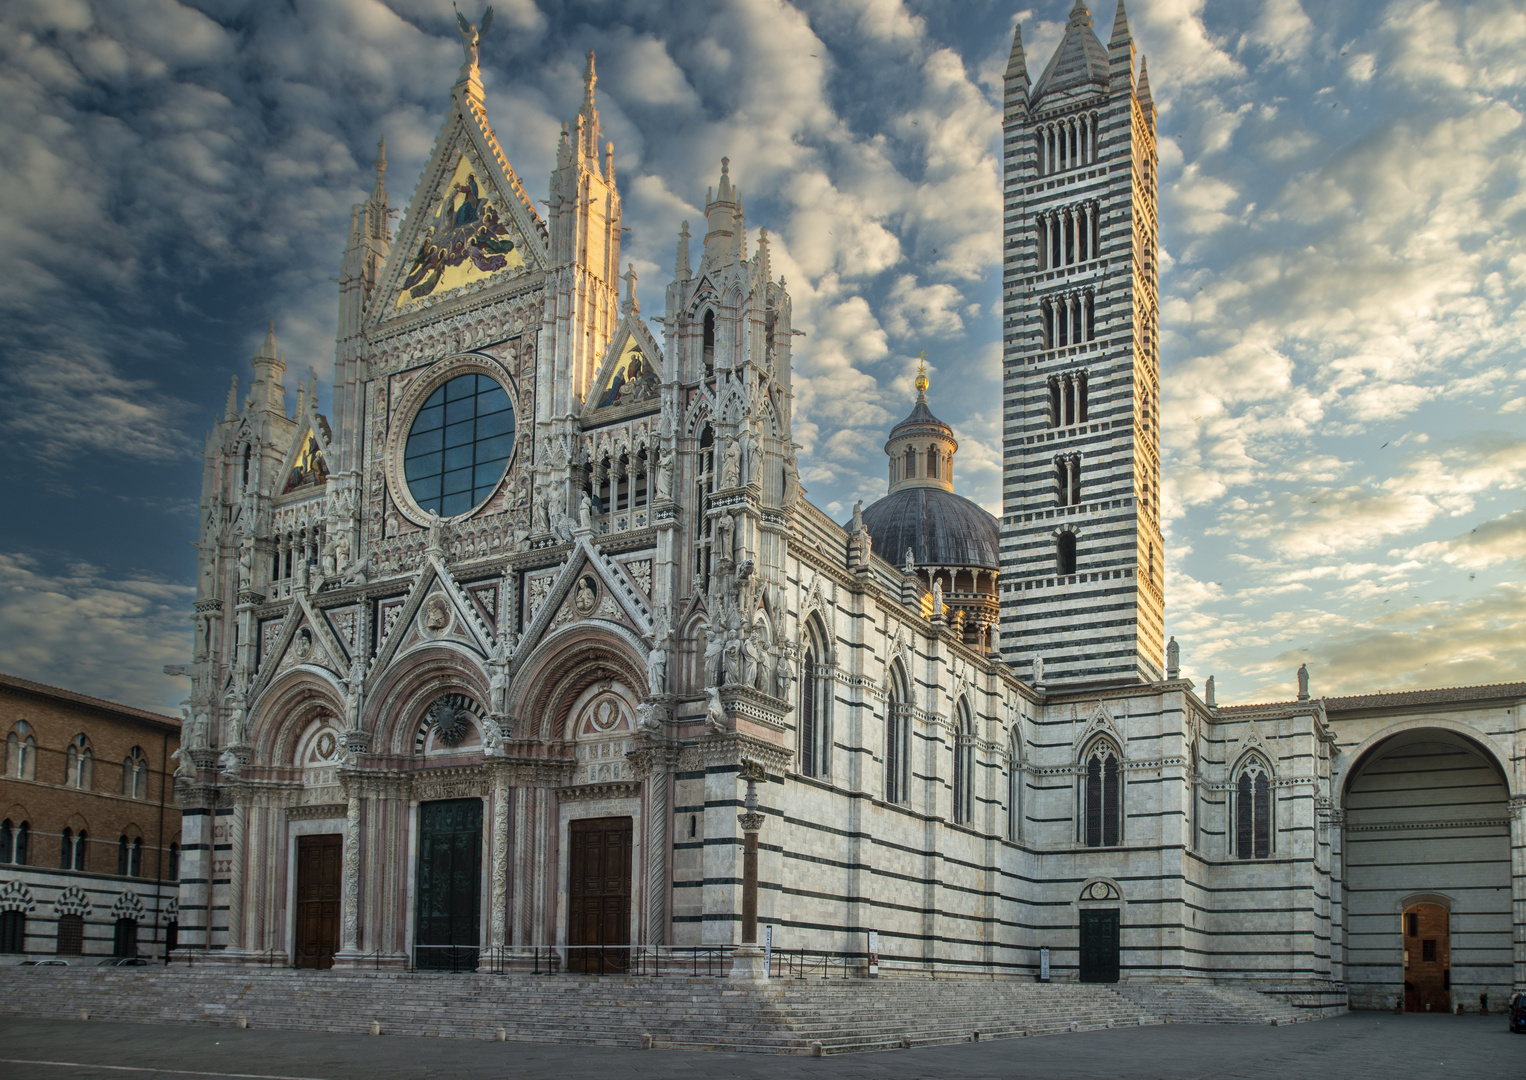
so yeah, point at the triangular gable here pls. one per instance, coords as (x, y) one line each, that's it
(484, 598)
(469, 221)
(613, 599)
(1101, 723)
(345, 623)
(305, 464)
(629, 382)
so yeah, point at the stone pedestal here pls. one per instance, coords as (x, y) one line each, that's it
(747, 963)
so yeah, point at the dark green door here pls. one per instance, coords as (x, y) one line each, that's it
(1099, 946)
(446, 932)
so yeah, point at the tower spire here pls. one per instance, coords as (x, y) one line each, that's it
(1120, 48)
(1016, 79)
(588, 114)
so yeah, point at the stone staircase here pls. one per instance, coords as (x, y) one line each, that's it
(784, 1016)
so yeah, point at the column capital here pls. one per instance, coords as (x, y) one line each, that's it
(751, 823)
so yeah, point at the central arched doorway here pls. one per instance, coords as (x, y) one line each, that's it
(1427, 848)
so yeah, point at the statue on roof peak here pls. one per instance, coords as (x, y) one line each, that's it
(471, 36)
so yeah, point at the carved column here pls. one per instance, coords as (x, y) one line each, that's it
(349, 895)
(652, 764)
(498, 919)
(747, 960)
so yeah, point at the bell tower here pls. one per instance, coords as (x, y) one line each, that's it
(1082, 578)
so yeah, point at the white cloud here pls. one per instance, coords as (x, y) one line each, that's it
(81, 628)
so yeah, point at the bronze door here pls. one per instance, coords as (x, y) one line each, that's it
(1099, 945)
(447, 929)
(318, 860)
(599, 895)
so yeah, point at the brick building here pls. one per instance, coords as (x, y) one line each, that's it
(89, 834)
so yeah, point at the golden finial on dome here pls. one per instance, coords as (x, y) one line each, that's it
(921, 382)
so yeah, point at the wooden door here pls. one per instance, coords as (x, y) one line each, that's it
(1099, 945)
(599, 894)
(447, 930)
(318, 859)
(1427, 959)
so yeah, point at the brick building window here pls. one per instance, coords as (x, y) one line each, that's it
(14, 840)
(79, 763)
(130, 857)
(135, 775)
(21, 752)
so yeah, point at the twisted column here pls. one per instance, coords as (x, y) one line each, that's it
(498, 920)
(349, 896)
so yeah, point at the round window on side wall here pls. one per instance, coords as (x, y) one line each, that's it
(459, 445)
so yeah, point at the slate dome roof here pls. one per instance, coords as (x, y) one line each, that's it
(940, 528)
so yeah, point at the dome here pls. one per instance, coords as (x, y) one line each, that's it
(940, 528)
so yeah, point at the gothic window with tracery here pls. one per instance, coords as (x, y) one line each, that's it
(897, 740)
(815, 703)
(1101, 796)
(964, 764)
(1253, 810)
(1014, 786)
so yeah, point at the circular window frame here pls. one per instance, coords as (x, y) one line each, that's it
(407, 411)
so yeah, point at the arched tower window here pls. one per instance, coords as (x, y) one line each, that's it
(1054, 402)
(248, 454)
(934, 464)
(1101, 796)
(898, 739)
(1065, 553)
(815, 729)
(911, 463)
(964, 764)
(707, 348)
(1253, 810)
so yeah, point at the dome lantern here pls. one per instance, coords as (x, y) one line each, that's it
(921, 447)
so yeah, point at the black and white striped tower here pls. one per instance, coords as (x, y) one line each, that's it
(1081, 554)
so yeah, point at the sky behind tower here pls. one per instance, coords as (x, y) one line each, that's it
(1342, 189)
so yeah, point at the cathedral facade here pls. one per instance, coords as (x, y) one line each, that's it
(481, 659)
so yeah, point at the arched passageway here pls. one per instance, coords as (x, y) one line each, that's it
(1427, 841)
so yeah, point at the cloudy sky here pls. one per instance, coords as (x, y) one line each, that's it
(1343, 216)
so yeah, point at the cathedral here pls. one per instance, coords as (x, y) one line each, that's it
(485, 657)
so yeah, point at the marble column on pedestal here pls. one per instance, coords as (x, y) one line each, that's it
(498, 916)
(349, 891)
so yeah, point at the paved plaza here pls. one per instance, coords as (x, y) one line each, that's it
(1351, 1047)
